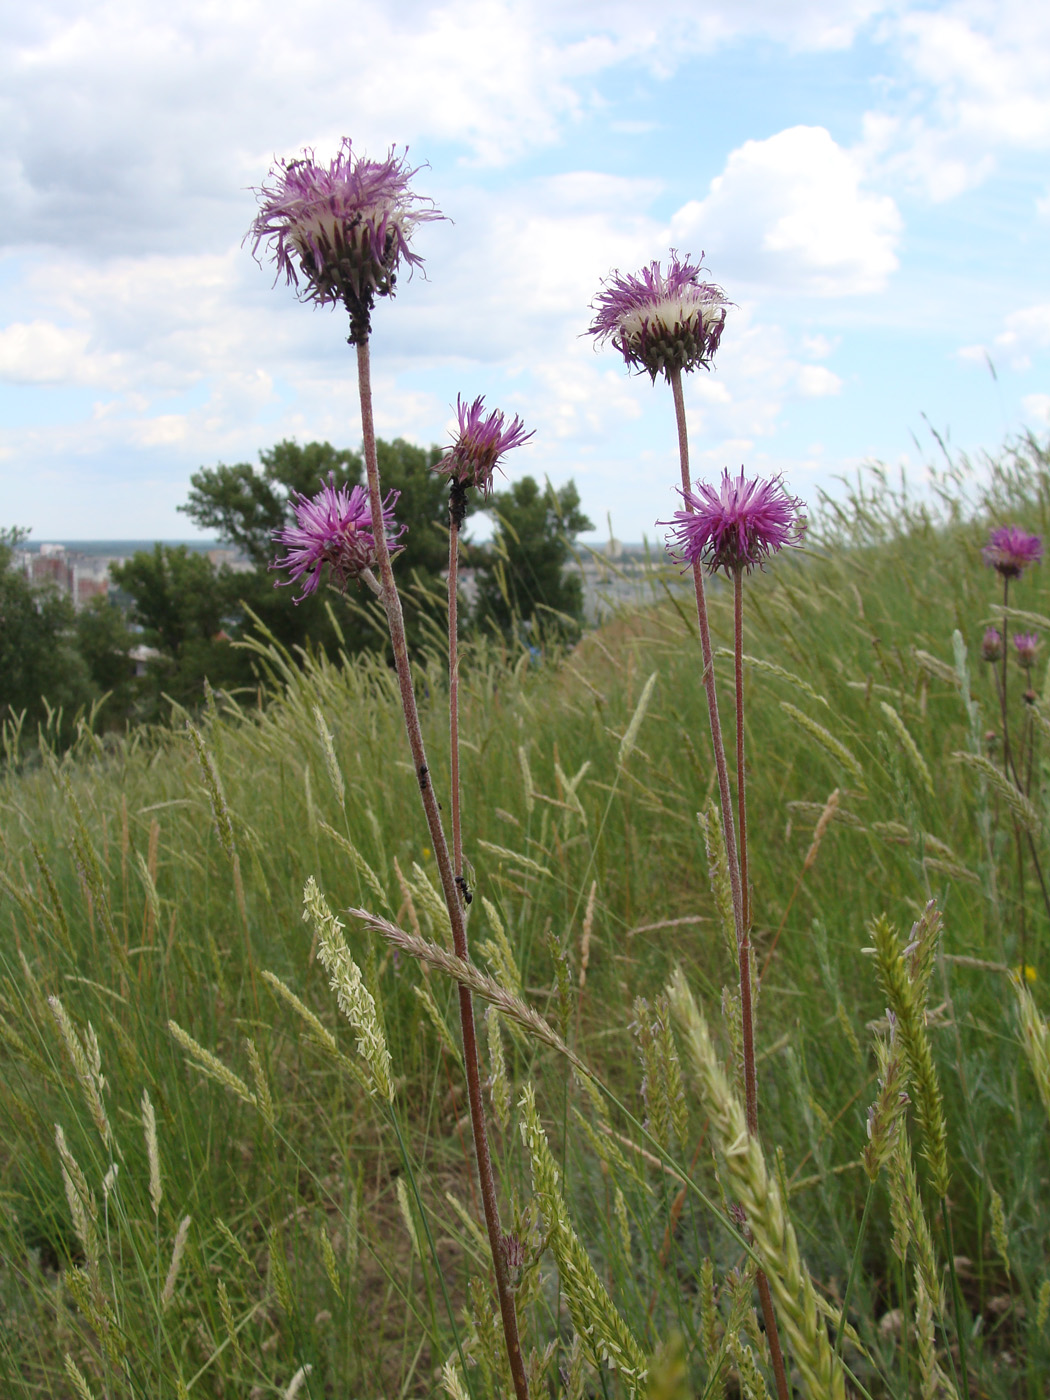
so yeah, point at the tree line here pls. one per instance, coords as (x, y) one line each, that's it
(174, 601)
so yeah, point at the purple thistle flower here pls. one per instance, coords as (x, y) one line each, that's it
(346, 227)
(1027, 644)
(992, 645)
(661, 322)
(482, 441)
(1009, 551)
(735, 527)
(334, 528)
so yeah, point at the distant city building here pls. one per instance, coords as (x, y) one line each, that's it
(80, 576)
(84, 574)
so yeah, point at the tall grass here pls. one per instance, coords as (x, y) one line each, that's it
(157, 879)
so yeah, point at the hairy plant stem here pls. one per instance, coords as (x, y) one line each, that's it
(453, 692)
(439, 845)
(1002, 692)
(1010, 770)
(736, 885)
(741, 781)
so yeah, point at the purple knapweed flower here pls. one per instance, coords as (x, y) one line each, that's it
(992, 645)
(1026, 644)
(736, 526)
(1010, 550)
(661, 322)
(334, 528)
(481, 442)
(345, 227)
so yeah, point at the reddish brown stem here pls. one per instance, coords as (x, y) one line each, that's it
(453, 691)
(439, 845)
(729, 830)
(741, 788)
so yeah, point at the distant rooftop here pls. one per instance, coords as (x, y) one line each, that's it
(111, 548)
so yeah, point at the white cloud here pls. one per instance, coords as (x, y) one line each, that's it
(817, 382)
(789, 214)
(980, 87)
(40, 352)
(124, 124)
(1024, 332)
(1037, 408)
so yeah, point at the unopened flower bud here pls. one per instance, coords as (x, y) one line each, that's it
(1026, 645)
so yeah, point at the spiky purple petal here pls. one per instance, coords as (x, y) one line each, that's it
(661, 321)
(1026, 645)
(1010, 550)
(345, 227)
(481, 442)
(334, 528)
(734, 527)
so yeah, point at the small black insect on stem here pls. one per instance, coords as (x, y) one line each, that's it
(457, 503)
(464, 889)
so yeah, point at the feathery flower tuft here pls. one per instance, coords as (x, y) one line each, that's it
(1026, 645)
(482, 441)
(735, 527)
(345, 227)
(1009, 551)
(334, 528)
(661, 322)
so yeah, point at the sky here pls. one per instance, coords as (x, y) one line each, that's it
(867, 181)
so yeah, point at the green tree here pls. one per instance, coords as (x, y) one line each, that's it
(522, 576)
(104, 640)
(40, 666)
(245, 505)
(186, 610)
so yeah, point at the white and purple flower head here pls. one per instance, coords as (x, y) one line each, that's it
(659, 321)
(334, 528)
(736, 526)
(1010, 550)
(482, 440)
(346, 227)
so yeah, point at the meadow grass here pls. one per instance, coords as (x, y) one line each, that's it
(242, 1205)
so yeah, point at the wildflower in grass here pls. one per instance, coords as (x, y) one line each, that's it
(470, 461)
(992, 645)
(1010, 550)
(662, 322)
(345, 227)
(1026, 644)
(334, 528)
(482, 440)
(736, 526)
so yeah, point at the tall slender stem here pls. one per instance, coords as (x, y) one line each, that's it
(439, 845)
(453, 690)
(1002, 692)
(741, 788)
(729, 831)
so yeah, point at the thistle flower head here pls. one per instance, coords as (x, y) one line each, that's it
(735, 526)
(482, 440)
(334, 528)
(345, 227)
(1026, 645)
(992, 645)
(1010, 550)
(659, 321)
